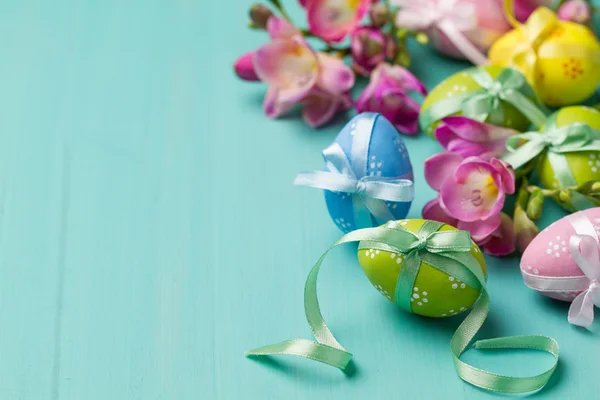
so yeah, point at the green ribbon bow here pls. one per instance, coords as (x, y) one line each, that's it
(556, 142)
(485, 103)
(447, 251)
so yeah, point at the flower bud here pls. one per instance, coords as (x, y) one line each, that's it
(380, 15)
(259, 15)
(525, 229)
(535, 205)
(564, 196)
(244, 68)
(577, 11)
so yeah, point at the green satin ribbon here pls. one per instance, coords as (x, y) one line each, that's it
(556, 142)
(447, 251)
(486, 103)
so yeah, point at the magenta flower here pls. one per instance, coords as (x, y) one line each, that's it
(578, 11)
(471, 191)
(468, 137)
(434, 211)
(386, 94)
(370, 47)
(244, 68)
(524, 8)
(333, 20)
(502, 241)
(295, 73)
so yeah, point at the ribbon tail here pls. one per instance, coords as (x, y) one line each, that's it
(488, 380)
(326, 349)
(305, 348)
(523, 154)
(527, 108)
(581, 312)
(468, 49)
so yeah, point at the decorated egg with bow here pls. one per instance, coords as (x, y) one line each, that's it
(463, 29)
(434, 291)
(567, 150)
(368, 178)
(499, 96)
(560, 59)
(563, 262)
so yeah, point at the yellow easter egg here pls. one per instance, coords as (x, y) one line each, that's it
(563, 64)
(435, 293)
(461, 83)
(584, 165)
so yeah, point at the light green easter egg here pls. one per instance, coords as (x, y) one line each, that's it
(585, 165)
(435, 293)
(461, 83)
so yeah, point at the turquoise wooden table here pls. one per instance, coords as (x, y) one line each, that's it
(150, 232)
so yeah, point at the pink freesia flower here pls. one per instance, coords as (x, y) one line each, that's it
(502, 241)
(386, 94)
(370, 47)
(468, 137)
(244, 68)
(320, 106)
(471, 192)
(578, 11)
(333, 20)
(434, 211)
(295, 73)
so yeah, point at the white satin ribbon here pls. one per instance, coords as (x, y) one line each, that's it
(586, 254)
(450, 18)
(369, 193)
(584, 246)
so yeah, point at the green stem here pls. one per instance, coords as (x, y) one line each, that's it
(277, 4)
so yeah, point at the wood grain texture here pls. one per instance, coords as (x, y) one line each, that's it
(150, 233)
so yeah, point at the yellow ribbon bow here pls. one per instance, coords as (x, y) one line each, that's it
(536, 30)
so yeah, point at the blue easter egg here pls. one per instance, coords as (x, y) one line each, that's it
(386, 157)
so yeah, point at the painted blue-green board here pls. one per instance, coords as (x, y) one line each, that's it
(150, 232)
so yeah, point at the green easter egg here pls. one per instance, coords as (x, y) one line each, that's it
(435, 293)
(584, 165)
(461, 83)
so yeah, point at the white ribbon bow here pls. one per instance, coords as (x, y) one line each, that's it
(586, 254)
(450, 18)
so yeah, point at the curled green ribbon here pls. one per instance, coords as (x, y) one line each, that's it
(556, 142)
(447, 251)
(485, 103)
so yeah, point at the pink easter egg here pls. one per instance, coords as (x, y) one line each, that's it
(548, 255)
(488, 23)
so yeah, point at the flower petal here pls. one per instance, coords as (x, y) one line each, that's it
(502, 241)
(289, 65)
(441, 167)
(435, 212)
(475, 192)
(481, 229)
(273, 106)
(319, 107)
(401, 77)
(335, 76)
(280, 28)
(333, 20)
(507, 173)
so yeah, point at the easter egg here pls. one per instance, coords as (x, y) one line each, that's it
(384, 155)
(566, 57)
(486, 25)
(435, 293)
(462, 83)
(548, 255)
(584, 165)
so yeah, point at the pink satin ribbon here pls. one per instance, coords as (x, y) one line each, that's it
(445, 15)
(585, 251)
